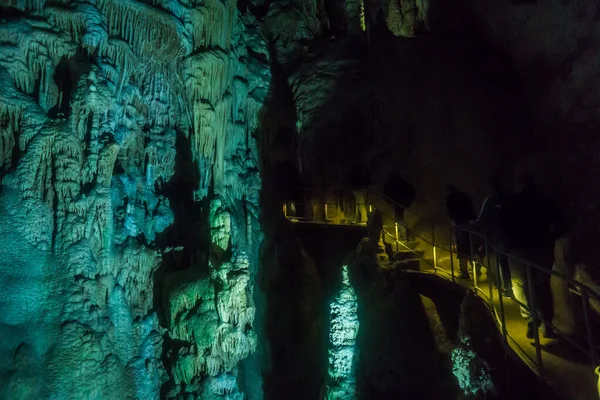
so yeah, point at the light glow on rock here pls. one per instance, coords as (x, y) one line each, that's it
(343, 329)
(363, 22)
(473, 374)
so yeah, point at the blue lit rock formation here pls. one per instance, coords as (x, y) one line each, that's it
(94, 98)
(211, 313)
(343, 328)
(472, 373)
(476, 349)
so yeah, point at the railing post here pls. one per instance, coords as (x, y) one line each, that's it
(472, 260)
(535, 319)
(502, 316)
(434, 252)
(585, 299)
(397, 240)
(489, 274)
(451, 258)
(504, 328)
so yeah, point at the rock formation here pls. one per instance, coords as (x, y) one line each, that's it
(391, 315)
(95, 96)
(343, 328)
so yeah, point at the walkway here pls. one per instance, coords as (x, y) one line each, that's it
(564, 367)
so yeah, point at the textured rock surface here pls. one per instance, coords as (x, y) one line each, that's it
(343, 328)
(562, 80)
(480, 88)
(95, 96)
(387, 367)
(129, 200)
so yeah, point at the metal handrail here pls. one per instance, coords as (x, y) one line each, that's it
(571, 281)
(585, 291)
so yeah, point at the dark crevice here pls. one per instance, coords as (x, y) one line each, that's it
(66, 76)
(188, 238)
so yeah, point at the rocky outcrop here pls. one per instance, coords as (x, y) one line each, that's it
(94, 98)
(386, 367)
(343, 328)
(211, 313)
(407, 18)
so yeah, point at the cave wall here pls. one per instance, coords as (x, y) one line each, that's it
(548, 47)
(431, 109)
(553, 45)
(95, 97)
(456, 92)
(449, 119)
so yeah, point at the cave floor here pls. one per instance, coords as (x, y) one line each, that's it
(565, 368)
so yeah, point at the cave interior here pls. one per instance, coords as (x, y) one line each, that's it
(187, 207)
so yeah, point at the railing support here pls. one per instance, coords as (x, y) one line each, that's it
(489, 275)
(435, 267)
(585, 299)
(501, 300)
(472, 261)
(535, 319)
(451, 258)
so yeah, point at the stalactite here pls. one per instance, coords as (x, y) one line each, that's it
(26, 5)
(145, 28)
(82, 21)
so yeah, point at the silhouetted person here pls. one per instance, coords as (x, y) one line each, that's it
(534, 223)
(490, 223)
(460, 209)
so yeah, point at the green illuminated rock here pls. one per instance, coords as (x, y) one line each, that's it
(101, 105)
(343, 328)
